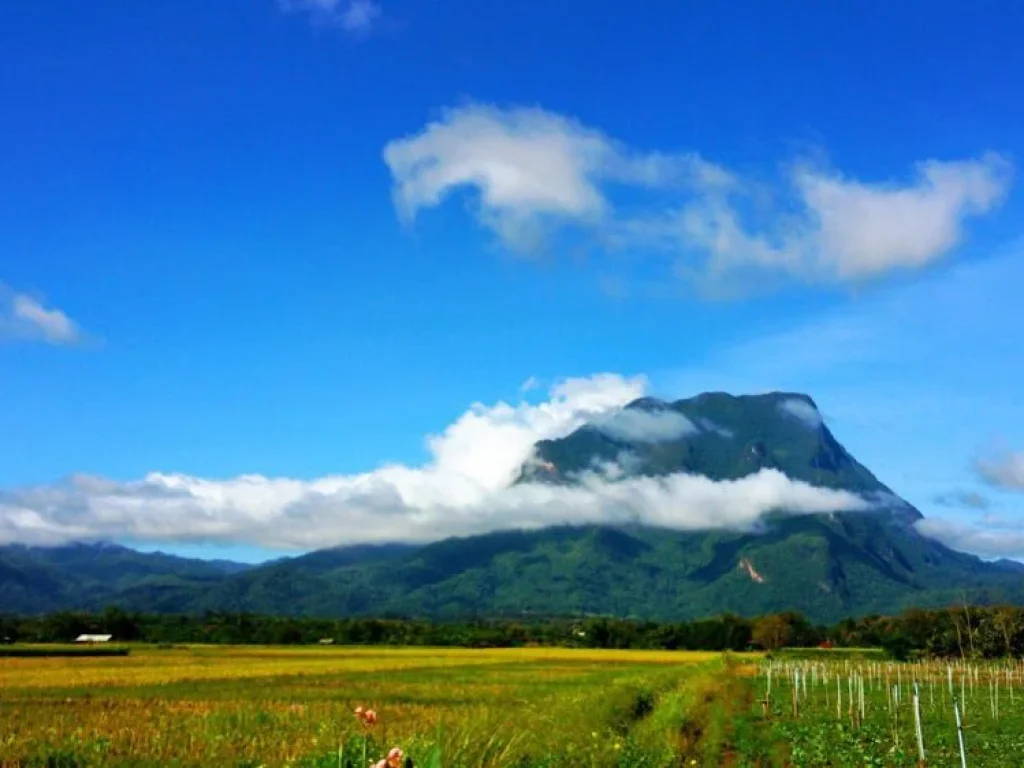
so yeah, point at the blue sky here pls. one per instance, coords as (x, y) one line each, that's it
(292, 240)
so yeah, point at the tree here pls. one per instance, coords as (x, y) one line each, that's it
(918, 626)
(123, 626)
(1007, 621)
(897, 646)
(772, 632)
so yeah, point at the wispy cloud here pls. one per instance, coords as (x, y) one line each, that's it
(531, 383)
(640, 425)
(803, 411)
(1004, 471)
(355, 16)
(986, 538)
(962, 499)
(535, 172)
(467, 487)
(25, 318)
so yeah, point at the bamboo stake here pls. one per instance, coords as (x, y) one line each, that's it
(796, 689)
(896, 720)
(917, 724)
(861, 684)
(963, 697)
(960, 734)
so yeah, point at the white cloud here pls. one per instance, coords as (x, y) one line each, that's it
(356, 16)
(467, 487)
(639, 425)
(801, 410)
(985, 538)
(534, 170)
(25, 318)
(861, 230)
(823, 227)
(530, 168)
(1004, 471)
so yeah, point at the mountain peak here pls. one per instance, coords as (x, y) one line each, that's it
(716, 434)
(720, 396)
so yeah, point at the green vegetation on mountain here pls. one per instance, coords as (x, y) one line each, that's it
(40, 579)
(826, 566)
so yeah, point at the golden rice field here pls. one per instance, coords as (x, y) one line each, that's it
(251, 706)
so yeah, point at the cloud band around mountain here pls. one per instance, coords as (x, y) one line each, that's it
(467, 487)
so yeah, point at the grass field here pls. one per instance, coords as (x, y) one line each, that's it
(232, 706)
(252, 706)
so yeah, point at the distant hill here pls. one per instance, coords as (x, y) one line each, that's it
(41, 579)
(827, 566)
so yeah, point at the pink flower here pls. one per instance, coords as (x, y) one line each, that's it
(366, 716)
(394, 759)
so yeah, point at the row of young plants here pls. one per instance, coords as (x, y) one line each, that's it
(856, 712)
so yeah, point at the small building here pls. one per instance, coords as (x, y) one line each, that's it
(327, 641)
(94, 638)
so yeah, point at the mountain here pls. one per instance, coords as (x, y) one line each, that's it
(1009, 565)
(825, 565)
(90, 575)
(728, 437)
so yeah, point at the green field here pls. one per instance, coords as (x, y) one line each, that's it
(263, 706)
(861, 712)
(229, 706)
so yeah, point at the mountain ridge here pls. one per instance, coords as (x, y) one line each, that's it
(827, 565)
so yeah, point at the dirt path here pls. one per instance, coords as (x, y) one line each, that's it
(723, 726)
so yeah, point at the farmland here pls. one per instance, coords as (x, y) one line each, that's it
(868, 712)
(269, 706)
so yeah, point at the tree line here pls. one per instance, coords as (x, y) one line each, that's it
(959, 631)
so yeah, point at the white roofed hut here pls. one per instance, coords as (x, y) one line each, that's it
(90, 639)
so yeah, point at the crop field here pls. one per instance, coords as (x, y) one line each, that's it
(446, 708)
(233, 706)
(869, 713)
